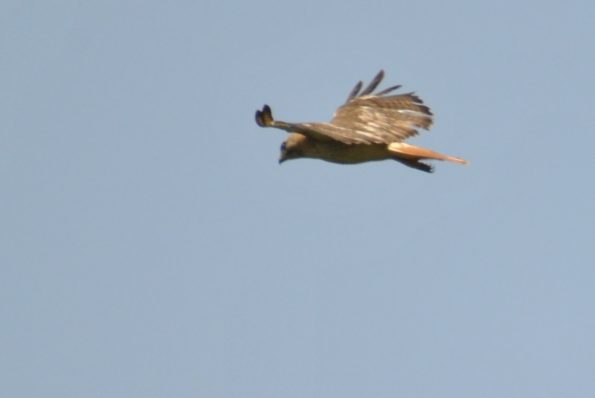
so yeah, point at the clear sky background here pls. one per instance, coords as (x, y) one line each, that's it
(151, 246)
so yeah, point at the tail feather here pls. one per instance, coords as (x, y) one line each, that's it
(412, 152)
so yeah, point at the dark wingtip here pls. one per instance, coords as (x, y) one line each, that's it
(388, 90)
(258, 118)
(374, 83)
(264, 118)
(354, 93)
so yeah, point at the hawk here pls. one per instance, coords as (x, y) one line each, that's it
(368, 127)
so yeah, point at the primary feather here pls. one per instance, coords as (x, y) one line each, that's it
(368, 118)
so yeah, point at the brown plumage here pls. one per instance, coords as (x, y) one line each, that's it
(367, 127)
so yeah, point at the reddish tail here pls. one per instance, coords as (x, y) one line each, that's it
(415, 152)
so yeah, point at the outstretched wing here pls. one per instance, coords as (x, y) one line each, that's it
(379, 118)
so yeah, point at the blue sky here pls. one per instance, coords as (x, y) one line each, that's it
(152, 246)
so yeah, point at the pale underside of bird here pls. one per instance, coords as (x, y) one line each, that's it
(368, 127)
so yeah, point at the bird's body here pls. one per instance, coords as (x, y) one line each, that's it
(368, 127)
(333, 151)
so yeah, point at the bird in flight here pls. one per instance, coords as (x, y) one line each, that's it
(368, 127)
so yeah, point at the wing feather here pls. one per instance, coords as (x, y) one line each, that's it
(386, 118)
(368, 118)
(355, 92)
(373, 84)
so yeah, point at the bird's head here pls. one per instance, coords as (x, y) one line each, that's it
(293, 148)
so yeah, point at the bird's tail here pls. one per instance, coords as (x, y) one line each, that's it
(264, 118)
(414, 152)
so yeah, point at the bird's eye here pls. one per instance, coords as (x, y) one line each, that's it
(283, 147)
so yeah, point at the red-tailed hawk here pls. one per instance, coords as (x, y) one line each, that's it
(367, 127)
